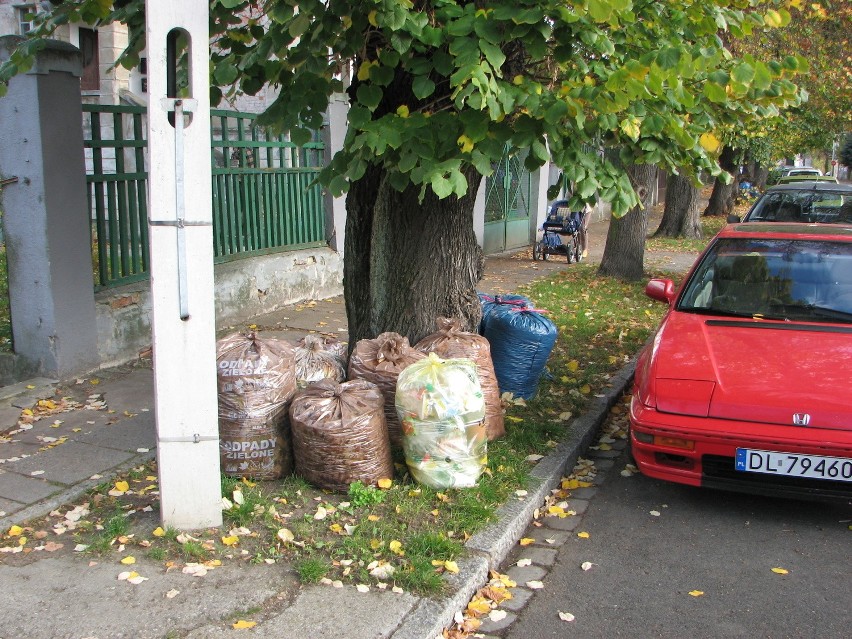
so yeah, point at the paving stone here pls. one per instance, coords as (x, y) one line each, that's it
(24, 489)
(619, 444)
(129, 433)
(522, 574)
(539, 556)
(71, 462)
(541, 535)
(9, 506)
(584, 493)
(562, 523)
(520, 597)
(496, 626)
(603, 454)
(9, 417)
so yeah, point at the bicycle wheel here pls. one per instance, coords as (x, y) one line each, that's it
(536, 250)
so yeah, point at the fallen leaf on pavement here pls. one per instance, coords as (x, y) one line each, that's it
(781, 571)
(566, 616)
(696, 593)
(242, 624)
(523, 562)
(583, 535)
(526, 541)
(497, 615)
(586, 565)
(535, 585)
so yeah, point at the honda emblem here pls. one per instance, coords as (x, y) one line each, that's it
(801, 419)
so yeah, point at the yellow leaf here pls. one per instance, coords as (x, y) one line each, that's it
(336, 528)
(95, 381)
(14, 531)
(604, 447)
(583, 535)
(22, 541)
(465, 144)
(773, 18)
(437, 562)
(242, 623)
(570, 484)
(512, 418)
(249, 483)
(364, 70)
(696, 593)
(30, 386)
(128, 560)
(385, 483)
(555, 510)
(451, 566)
(375, 544)
(526, 541)
(402, 111)
(232, 540)
(123, 486)
(371, 18)
(435, 512)
(478, 606)
(573, 365)
(585, 389)
(396, 547)
(373, 518)
(780, 571)
(518, 80)
(709, 142)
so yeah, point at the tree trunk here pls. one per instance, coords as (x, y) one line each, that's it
(722, 197)
(625, 243)
(761, 174)
(407, 262)
(680, 215)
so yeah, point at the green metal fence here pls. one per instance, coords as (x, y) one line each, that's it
(265, 198)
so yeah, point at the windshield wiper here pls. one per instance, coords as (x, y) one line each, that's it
(812, 312)
(701, 310)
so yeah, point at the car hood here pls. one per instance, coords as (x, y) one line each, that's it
(755, 370)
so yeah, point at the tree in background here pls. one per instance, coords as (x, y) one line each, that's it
(442, 89)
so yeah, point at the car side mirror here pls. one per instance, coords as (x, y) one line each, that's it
(734, 219)
(661, 290)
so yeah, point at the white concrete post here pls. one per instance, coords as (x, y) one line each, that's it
(181, 241)
(335, 133)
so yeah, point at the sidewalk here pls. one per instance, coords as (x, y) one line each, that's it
(95, 427)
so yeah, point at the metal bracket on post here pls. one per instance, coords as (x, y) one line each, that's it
(179, 106)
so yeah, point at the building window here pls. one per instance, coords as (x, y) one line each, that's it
(91, 78)
(25, 15)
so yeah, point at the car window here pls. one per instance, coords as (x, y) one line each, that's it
(799, 280)
(803, 206)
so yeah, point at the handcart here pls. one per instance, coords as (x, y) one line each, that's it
(560, 233)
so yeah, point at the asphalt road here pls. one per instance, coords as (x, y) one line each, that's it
(722, 544)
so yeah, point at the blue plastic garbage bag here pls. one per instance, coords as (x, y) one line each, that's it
(521, 339)
(490, 302)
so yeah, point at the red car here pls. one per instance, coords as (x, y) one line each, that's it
(746, 384)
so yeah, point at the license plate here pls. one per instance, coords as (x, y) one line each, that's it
(793, 464)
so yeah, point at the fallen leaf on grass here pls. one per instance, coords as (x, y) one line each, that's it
(159, 532)
(232, 540)
(385, 483)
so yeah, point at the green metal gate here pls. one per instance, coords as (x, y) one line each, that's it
(507, 206)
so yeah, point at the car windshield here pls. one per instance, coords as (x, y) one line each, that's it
(806, 205)
(794, 280)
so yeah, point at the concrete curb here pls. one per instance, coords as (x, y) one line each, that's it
(490, 547)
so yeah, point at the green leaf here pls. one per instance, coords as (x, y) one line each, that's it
(668, 58)
(715, 93)
(493, 54)
(743, 73)
(299, 25)
(300, 136)
(422, 87)
(441, 186)
(231, 4)
(225, 73)
(369, 95)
